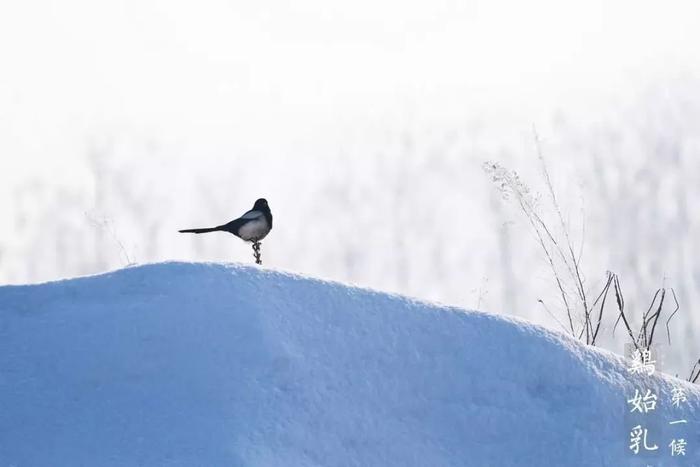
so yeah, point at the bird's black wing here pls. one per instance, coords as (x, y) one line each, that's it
(236, 224)
(252, 214)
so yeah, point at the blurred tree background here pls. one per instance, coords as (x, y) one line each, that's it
(365, 125)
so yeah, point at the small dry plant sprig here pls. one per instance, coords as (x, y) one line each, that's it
(558, 249)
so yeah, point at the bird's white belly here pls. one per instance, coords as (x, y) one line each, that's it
(254, 230)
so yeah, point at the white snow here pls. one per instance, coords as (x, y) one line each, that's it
(180, 364)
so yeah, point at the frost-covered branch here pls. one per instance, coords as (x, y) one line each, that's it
(557, 247)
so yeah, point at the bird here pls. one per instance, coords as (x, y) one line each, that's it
(252, 226)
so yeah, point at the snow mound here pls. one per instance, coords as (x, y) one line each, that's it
(180, 364)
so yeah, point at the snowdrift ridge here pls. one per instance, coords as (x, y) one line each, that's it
(180, 364)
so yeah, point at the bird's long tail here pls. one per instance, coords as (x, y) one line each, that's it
(199, 231)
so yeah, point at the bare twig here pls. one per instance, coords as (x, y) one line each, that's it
(650, 318)
(603, 295)
(621, 309)
(648, 341)
(668, 331)
(552, 315)
(104, 224)
(693, 378)
(576, 274)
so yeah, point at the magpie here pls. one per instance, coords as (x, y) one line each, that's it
(252, 226)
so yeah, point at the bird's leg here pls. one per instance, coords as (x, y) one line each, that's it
(256, 252)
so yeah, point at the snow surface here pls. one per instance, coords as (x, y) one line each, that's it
(181, 364)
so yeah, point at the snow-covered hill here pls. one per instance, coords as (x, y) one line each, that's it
(181, 364)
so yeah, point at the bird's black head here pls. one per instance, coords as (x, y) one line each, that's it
(261, 205)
